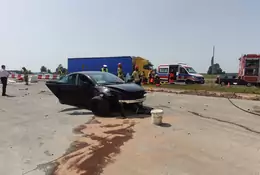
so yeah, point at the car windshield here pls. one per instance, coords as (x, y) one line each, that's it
(105, 78)
(191, 70)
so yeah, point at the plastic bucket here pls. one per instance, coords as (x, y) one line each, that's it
(156, 116)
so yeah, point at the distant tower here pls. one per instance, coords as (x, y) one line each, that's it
(212, 61)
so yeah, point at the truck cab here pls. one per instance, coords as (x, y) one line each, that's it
(182, 73)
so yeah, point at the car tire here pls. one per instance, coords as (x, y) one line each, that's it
(100, 106)
(222, 83)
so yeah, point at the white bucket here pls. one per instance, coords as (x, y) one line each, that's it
(34, 79)
(156, 117)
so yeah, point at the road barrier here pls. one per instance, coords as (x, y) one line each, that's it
(40, 76)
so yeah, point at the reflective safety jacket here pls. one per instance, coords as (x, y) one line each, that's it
(104, 69)
(136, 76)
(120, 73)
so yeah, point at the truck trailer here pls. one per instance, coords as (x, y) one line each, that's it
(96, 63)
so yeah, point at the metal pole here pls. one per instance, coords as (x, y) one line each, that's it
(212, 61)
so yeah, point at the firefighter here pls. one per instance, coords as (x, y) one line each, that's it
(151, 77)
(136, 76)
(157, 80)
(120, 73)
(104, 68)
(171, 77)
(26, 76)
(61, 72)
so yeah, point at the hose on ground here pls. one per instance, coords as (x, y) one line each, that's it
(238, 107)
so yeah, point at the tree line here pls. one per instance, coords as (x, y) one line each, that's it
(58, 70)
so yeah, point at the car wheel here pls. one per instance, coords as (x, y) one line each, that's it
(222, 83)
(100, 106)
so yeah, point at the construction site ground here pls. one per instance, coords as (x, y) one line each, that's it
(199, 135)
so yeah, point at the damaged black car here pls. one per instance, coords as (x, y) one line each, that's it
(100, 92)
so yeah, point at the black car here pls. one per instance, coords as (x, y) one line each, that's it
(100, 92)
(224, 79)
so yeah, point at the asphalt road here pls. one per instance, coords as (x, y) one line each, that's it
(204, 135)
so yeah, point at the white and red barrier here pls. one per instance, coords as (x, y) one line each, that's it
(40, 76)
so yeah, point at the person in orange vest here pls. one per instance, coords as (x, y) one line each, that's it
(171, 78)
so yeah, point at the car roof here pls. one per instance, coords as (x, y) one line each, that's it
(89, 72)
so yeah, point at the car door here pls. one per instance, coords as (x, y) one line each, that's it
(68, 90)
(182, 74)
(174, 69)
(85, 89)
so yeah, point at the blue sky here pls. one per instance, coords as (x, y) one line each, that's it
(46, 32)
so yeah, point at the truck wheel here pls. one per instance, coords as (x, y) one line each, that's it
(100, 106)
(222, 83)
(189, 82)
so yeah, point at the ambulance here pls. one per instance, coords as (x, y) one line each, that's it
(183, 73)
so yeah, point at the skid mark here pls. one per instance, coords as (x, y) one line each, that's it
(224, 121)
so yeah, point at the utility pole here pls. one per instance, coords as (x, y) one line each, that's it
(212, 61)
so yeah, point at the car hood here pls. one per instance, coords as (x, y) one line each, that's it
(127, 87)
(196, 75)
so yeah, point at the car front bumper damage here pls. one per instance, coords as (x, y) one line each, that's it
(140, 100)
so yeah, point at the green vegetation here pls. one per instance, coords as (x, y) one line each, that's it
(215, 69)
(212, 88)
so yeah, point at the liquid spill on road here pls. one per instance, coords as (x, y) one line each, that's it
(95, 149)
(78, 129)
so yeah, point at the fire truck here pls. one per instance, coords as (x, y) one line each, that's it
(248, 73)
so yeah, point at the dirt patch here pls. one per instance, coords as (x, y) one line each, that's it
(111, 125)
(96, 148)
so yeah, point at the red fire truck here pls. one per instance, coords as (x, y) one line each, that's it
(249, 69)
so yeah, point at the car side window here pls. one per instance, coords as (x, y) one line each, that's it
(64, 79)
(83, 80)
(163, 70)
(182, 70)
(72, 79)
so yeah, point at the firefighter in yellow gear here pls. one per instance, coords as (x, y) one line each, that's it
(104, 68)
(136, 76)
(120, 72)
(26, 76)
